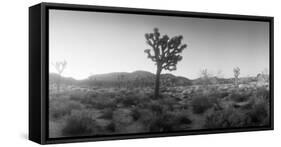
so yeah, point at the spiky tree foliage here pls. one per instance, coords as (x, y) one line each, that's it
(60, 67)
(166, 53)
(236, 72)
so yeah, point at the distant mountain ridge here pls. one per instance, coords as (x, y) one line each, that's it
(142, 78)
(115, 78)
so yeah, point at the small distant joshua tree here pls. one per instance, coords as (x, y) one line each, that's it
(236, 72)
(166, 53)
(205, 75)
(264, 75)
(60, 67)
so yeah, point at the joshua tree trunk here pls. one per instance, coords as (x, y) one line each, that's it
(236, 82)
(58, 83)
(157, 82)
(59, 66)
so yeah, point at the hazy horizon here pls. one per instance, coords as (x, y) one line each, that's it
(96, 43)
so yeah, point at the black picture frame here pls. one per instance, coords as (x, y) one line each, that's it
(39, 59)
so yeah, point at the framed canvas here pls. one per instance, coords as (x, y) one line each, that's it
(102, 73)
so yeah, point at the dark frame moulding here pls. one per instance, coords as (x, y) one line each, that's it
(38, 70)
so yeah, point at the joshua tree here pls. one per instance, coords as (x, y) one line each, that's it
(205, 75)
(264, 75)
(59, 66)
(166, 53)
(236, 72)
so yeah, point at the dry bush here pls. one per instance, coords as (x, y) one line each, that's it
(259, 114)
(201, 104)
(99, 101)
(262, 93)
(130, 99)
(107, 113)
(59, 108)
(228, 118)
(170, 121)
(255, 113)
(240, 96)
(156, 107)
(218, 94)
(80, 123)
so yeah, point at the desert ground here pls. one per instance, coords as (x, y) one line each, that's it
(77, 110)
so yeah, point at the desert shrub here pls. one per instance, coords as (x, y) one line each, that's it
(161, 123)
(263, 93)
(122, 118)
(253, 113)
(169, 121)
(200, 104)
(126, 101)
(110, 127)
(245, 105)
(136, 113)
(168, 101)
(130, 101)
(61, 107)
(185, 103)
(240, 97)
(219, 94)
(228, 118)
(144, 115)
(99, 101)
(184, 120)
(157, 107)
(181, 120)
(80, 123)
(77, 95)
(259, 114)
(107, 114)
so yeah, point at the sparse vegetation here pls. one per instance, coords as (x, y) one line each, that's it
(121, 110)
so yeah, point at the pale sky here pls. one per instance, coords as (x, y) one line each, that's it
(96, 43)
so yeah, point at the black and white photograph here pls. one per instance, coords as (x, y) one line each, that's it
(117, 73)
